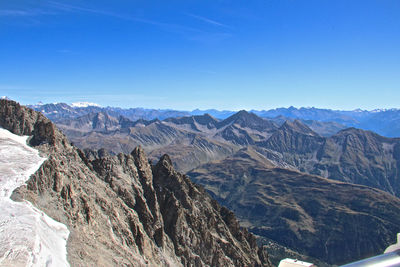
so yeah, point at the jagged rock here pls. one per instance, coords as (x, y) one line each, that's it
(121, 211)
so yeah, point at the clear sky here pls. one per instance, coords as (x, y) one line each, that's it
(222, 54)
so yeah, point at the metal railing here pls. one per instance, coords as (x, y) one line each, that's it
(390, 258)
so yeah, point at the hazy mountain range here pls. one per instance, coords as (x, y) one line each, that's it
(385, 122)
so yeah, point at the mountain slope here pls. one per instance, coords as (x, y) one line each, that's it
(117, 208)
(352, 155)
(333, 221)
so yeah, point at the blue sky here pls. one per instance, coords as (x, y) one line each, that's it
(222, 54)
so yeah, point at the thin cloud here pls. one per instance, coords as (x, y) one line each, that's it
(190, 33)
(207, 20)
(24, 13)
(72, 8)
(166, 26)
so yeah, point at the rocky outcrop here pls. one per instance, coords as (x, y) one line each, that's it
(121, 210)
(200, 229)
(24, 121)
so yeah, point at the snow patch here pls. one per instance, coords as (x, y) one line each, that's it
(84, 104)
(383, 110)
(28, 237)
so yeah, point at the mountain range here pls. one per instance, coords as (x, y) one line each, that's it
(385, 122)
(351, 155)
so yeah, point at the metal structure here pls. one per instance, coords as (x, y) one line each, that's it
(390, 258)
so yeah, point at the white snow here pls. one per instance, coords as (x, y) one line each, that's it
(84, 104)
(358, 110)
(28, 237)
(383, 110)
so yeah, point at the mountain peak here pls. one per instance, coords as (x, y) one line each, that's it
(205, 119)
(242, 112)
(297, 126)
(84, 104)
(165, 162)
(248, 120)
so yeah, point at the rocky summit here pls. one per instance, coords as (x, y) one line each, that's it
(123, 211)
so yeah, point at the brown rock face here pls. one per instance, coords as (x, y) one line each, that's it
(24, 121)
(121, 211)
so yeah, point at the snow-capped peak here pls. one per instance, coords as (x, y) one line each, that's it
(84, 104)
(383, 110)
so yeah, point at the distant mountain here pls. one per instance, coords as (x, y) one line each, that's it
(196, 122)
(325, 122)
(213, 112)
(346, 118)
(249, 120)
(333, 221)
(323, 128)
(61, 111)
(244, 128)
(326, 129)
(385, 122)
(352, 155)
(145, 114)
(188, 140)
(100, 121)
(122, 211)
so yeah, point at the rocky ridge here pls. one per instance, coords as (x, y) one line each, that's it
(121, 210)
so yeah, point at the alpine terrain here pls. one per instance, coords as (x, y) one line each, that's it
(121, 210)
(317, 195)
